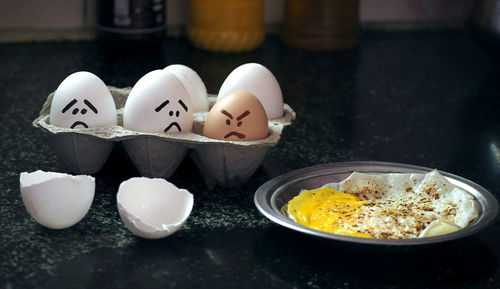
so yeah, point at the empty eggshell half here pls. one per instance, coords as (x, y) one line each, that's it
(56, 200)
(153, 208)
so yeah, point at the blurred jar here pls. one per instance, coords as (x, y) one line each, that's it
(226, 25)
(131, 24)
(321, 24)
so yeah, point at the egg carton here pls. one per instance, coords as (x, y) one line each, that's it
(157, 155)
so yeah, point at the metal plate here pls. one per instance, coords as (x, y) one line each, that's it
(274, 194)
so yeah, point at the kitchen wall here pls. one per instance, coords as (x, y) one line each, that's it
(19, 17)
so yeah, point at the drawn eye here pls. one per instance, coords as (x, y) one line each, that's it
(162, 105)
(84, 111)
(239, 123)
(75, 111)
(171, 113)
(228, 122)
(177, 113)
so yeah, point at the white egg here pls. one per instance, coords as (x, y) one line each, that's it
(82, 100)
(153, 208)
(56, 200)
(258, 80)
(193, 84)
(145, 77)
(158, 103)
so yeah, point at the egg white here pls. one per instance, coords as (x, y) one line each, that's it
(401, 206)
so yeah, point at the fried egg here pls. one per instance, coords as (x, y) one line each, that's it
(385, 206)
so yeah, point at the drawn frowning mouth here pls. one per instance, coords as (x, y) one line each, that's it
(172, 125)
(235, 133)
(76, 123)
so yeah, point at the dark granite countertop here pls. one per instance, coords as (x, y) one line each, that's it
(428, 98)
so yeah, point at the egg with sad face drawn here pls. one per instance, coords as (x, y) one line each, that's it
(158, 103)
(82, 100)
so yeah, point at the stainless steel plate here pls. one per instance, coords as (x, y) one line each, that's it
(274, 194)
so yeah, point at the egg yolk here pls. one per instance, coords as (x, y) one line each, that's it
(321, 209)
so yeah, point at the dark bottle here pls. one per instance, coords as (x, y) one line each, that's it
(131, 24)
(321, 24)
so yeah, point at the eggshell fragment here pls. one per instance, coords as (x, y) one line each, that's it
(258, 80)
(439, 227)
(193, 84)
(56, 200)
(153, 208)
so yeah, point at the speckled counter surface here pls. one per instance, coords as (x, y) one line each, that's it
(429, 98)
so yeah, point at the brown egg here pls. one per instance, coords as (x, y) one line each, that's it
(237, 116)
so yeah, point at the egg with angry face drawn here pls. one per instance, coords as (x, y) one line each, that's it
(158, 103)
(238, 116)
(82, 100)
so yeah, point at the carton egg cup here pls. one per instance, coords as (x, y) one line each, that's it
(157, 155)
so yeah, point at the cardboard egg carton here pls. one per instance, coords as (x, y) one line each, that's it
(157, 155)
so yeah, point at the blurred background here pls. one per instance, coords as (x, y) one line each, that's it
(28, 20)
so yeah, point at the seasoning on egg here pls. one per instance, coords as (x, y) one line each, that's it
(82, 100)
(238, 116)
(385, 206)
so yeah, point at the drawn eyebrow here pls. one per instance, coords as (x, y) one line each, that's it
(183, 105)
(90, 105)
(162, 105)
(69, 105)
(247, 112)
(226, 113)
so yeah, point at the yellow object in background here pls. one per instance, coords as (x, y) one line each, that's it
(226, 25)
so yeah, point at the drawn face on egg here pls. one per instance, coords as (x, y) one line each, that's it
(74, 103)
(82, 100)
(238, 116)
(174, 112)
(239, 122)
(158, 103)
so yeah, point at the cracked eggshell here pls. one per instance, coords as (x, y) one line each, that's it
(82, 100)
(193, 84)
(158, 103)
(153, 208)
(56, 200)
(259, 81)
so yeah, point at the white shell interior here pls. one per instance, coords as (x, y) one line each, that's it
(153, 208)
(56, 200)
